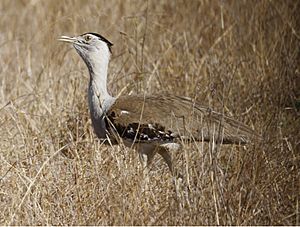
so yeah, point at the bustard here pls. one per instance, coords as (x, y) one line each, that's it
(152, 123)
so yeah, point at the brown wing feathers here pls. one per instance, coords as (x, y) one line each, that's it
(166, 118)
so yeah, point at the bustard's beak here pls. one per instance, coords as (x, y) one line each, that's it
(67, 39)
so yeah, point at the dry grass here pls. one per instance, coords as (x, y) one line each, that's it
(240, 57)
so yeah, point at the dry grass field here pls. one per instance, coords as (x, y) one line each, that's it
(238, 57)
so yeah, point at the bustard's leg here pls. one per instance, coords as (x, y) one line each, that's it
(177, 178)
(167, 157)
(164, 152)
(146, 153)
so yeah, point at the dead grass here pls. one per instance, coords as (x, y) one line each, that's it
(240, 57)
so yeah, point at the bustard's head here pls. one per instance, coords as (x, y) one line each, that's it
(92, 48)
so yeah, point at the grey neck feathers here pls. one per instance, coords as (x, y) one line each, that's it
(98, 80)
(98, 69)
(99, 99)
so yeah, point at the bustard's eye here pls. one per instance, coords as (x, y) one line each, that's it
(87, 38)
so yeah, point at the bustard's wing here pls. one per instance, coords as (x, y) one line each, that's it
(168, 118)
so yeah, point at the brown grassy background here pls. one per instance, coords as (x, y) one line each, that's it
(240, 57)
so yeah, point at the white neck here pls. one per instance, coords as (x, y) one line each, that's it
(98, 67)
(99, 99)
